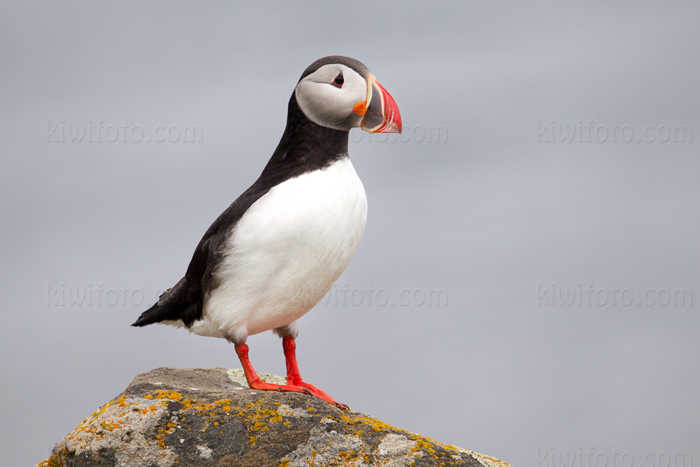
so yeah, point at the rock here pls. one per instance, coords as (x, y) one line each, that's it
(210, 418)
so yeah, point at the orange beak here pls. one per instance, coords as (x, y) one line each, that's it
(380, 110)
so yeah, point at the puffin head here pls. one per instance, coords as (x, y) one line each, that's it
(340, 93)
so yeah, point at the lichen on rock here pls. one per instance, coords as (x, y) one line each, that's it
(194, 417)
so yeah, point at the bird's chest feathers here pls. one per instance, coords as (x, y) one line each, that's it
(297, 239)
(318, 213)
(287, 251)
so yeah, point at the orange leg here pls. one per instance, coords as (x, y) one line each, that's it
(294, 377)
(254, 380)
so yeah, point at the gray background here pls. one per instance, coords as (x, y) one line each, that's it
(490, 214)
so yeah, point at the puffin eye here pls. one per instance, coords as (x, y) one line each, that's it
(338, 81)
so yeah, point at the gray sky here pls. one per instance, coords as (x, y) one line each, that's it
(553, 216)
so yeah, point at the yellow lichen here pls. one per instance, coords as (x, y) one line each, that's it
(258, 416)
(162, 433)
(167, 394)
(423, 445)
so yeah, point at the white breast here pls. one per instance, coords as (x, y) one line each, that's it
(286, 252)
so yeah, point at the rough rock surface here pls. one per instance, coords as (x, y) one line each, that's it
(210, 418)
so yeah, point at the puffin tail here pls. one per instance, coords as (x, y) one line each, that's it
(155, 314)
(181, 302)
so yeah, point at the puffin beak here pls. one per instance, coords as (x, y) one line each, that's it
(380, 110)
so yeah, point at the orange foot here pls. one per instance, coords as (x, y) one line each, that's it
(314, 391)
(294, 381)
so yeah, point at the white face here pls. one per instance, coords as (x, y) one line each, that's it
(329, 104)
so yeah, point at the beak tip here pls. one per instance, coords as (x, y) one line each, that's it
(383, 115)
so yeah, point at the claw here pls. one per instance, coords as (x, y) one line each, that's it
(340, 405)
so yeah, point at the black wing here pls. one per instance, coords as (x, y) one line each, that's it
(185, 300)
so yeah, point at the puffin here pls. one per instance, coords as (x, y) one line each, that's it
(277, 250)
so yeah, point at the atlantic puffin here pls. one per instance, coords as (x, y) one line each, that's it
(274, 253)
